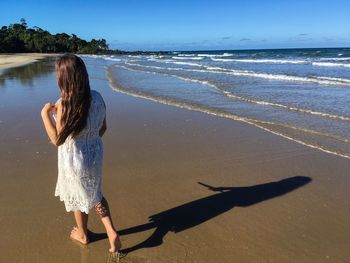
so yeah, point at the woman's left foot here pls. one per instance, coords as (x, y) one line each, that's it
(76, 235)
(114, 241)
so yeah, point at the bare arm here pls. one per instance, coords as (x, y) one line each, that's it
(52, 130)
(103, 128)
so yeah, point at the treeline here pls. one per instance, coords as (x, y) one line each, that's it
(19, 38)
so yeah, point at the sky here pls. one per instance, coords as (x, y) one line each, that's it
(191, 24)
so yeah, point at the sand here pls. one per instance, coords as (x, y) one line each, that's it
(16, 60)
(155, 155)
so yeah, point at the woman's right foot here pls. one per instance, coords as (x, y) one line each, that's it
(77, 236)
(114, 241)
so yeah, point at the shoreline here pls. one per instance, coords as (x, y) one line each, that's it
(258, 124)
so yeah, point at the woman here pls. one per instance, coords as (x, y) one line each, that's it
(80, 116)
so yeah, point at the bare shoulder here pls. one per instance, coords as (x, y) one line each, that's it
(58, 102)
(58, 106)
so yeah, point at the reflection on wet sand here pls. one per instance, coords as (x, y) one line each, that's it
(25, 74)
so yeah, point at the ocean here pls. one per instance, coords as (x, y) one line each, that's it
(300, 94)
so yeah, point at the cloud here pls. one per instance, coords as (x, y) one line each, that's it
(245, 39)
(226, 38)
(303, 35)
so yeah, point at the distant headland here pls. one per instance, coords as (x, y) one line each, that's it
(19, 38)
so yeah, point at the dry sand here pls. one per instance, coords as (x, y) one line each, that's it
(155, 155)
(16, 60)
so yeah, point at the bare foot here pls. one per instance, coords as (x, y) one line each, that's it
(76, 235)
(114, 241)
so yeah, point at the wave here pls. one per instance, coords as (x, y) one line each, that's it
(336, 59)
(220, 58)
(311, 79)
(272, 61)
(329, 81)
(209, 55)
(223, 59)
(200, 108)
(105, 57)
(330, 64)
(184, 63)
(167, 61)
(186, 55)
(194, 58)
(112, 59)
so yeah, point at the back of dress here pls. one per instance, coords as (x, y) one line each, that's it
(80, 162)
(97, 114)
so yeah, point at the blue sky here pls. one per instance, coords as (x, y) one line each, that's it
(191, 24)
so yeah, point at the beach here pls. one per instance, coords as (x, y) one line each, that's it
(182, 185)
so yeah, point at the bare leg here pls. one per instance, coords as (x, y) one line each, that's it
(103, 212)
(79, 233)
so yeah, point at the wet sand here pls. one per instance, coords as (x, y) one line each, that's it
(155, 155)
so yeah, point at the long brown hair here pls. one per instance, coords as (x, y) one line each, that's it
(73, 81)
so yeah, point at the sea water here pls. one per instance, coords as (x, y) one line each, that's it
(300, 94)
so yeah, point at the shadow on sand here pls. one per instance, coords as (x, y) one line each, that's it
(198, 211)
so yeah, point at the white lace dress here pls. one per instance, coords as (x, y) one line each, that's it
(80, 162)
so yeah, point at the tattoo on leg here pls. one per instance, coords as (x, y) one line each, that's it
(102, 208)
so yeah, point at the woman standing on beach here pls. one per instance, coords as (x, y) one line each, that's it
(80, 124)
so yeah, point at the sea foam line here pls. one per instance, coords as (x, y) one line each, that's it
(272, 61)
(192, 58)
(261, 102)
(336, 59)
(168, 61)
(253, 122)
(278, 61)
(330, 64)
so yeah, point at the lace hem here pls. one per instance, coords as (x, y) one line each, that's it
(85, 207)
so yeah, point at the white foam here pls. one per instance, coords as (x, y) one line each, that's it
(209, 55)
(112, 59)
(194, 58)
(168, 61)
(186, 55)
(336, 59)
(185, 63)
(227, 55)
(223, 59)
(271, 61)
(330, 64)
